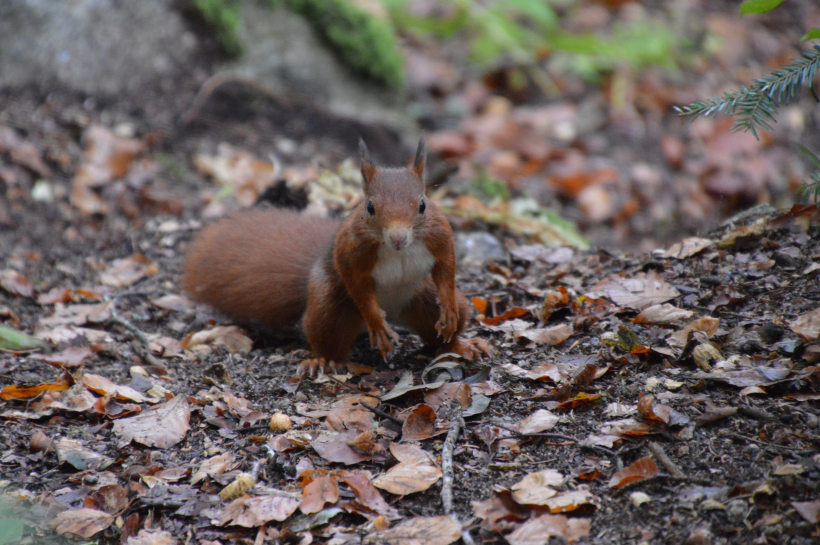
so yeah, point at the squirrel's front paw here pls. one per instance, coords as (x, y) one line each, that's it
(311, 367)
(447, 324)
(381, 339)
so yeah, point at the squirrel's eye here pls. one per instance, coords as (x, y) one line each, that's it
(422, 207)
(370, 208)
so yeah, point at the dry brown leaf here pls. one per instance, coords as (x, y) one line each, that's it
(446, 393)
(707, 324)
(335, 447)
(124, 272)
(366, 495)
(162, 426)
(83, 522)
(539, 530)
(743, 236)
(232, 337)
(349, 414)
(662, 314)
(642, 291)
(318, 488)
(26, 392)
(237, 169)
(152, 537)
(106, 157)
(103, 386)
(569, 501)
(417, 471)
(15, 283)
(78, 455)
(420, 424)
(70, 358)
(418, 531)
(215, 465)
(542, 372)
(807, 326)
(535, 488)
(643, 468)
(809, 510)
(685, 248)
(253, 511)
(540, 420)
(515, 312)
(550, 336)
(552, 300)
(77, 315)
(173, 302)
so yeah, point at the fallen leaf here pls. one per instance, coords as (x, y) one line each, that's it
(366, 495)
(420, 424)
(103, 386)
(539, 530)
(535, 488)
(152, 537)
(77, 315)
(75, 453)
(69, 358)
(807, 326)
(26, 392)
(662, 314)
(571, 500)
(417, 471)
(515, 312)
(579, 400)
(745, 236)
(106, 157)
(550, 336)
(685, 248)
(642, 291)
(253, 511)
(418, 531)
(239, 170)
(15, 283)
(335, 447)
(540, 420)
(232, 337)
(643, 468)
(542, 372)
(124, 272)
(707, 324)
(162, 426)
(215, 465)
(319, 487)
(83, 522)
(809, 510)
(11, 339)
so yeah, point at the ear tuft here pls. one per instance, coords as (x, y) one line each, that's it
(368, 168)
(420, 161)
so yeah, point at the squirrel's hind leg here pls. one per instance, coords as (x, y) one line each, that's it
(331, 325)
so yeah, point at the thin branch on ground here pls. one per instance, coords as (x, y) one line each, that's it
(657, 450)
(447, 470)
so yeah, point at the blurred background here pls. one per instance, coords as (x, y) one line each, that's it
(552, 120)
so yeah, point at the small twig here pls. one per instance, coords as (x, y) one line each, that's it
(146, 355)
(764, 443)
(670, 466)
(447, 470)
(666, 477)
(381, 413)
(757, 414)
(216, 81)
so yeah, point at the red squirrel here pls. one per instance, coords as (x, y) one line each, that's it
(391, 260)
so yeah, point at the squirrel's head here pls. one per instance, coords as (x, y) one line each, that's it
(394, 206)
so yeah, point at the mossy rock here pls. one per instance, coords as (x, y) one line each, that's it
(364, 42)
(223, 17)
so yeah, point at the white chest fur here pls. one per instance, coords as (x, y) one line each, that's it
(399, 275)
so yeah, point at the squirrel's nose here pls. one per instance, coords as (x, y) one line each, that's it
(398, 240)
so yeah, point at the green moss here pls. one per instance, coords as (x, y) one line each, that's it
(364, 42)
(223, 17)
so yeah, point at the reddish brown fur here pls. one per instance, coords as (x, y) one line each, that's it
(254, 266)
(269, 268)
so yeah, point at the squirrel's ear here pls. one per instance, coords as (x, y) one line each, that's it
(421, 159)
(368, 168)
